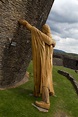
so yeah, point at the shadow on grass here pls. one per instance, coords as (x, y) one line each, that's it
(25, 93)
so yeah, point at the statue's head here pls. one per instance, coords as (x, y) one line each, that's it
(46, 29)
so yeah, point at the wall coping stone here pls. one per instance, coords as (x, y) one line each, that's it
(69, 77)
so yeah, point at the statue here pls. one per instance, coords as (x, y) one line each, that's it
(42, 50)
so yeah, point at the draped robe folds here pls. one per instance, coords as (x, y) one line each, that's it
(42, 51)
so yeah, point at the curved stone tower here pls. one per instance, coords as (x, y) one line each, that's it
(15, 41)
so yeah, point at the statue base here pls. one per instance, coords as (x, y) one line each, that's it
(40, 109)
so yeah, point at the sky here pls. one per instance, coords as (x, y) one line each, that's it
(63, 21)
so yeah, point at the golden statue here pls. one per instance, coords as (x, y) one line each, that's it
(42, 50)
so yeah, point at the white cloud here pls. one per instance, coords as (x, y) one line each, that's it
(69, 45)
(63, 20)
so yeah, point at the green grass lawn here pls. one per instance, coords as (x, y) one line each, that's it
(70, 71)
(18, 102)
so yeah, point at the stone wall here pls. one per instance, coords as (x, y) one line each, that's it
(73, 81)
(70, 63)
(58, 61)
(15, 41)
(66, 61)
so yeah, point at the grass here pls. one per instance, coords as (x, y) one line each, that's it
(18, 102)
(70, 71)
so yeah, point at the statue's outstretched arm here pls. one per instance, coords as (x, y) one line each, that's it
(48, 40)
(25, 23)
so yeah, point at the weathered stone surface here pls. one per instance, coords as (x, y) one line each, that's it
(70, 63)
(16, 84)
(68, 60)
(73, 81)
(15, 42)
(76, 71)
(58, 61)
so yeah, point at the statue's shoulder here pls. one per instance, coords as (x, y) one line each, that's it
(34, 29)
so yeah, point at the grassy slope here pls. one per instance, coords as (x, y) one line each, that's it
(17, 102)
(70, 71)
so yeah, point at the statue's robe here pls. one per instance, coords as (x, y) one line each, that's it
(42, 50)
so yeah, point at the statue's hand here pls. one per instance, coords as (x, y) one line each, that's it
(22, 22)
(25, 23)
(54, 43)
